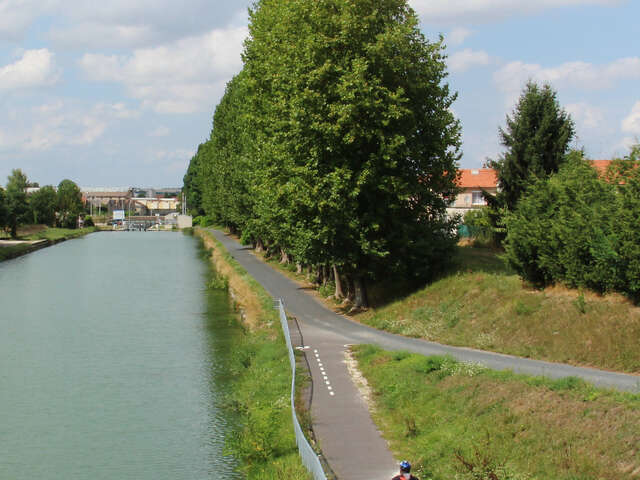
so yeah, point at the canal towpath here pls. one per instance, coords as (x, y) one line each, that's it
(348, 437)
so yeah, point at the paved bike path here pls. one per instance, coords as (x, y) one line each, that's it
(349, 440)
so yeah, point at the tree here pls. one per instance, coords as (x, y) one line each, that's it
(562, 229)
(17, 207)
(3, 208)
(536, 138)
(357, 144)
(69, 203)
(43, 205)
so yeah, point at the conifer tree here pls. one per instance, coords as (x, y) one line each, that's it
(536, 138)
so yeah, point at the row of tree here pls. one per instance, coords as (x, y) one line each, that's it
(51, 206)
(335, 147)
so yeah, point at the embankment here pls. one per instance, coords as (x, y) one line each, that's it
(264, 444)
(17, 250)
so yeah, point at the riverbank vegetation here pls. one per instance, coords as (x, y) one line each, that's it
(462, 421)
(29, 236)
(335, 148)
(60, 206)
(265, 445)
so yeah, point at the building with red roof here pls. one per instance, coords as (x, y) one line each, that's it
(472, 183)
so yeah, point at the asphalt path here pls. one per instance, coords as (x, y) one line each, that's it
(349, 439)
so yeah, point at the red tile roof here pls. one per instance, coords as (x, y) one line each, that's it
(601, 165)
(478, 178)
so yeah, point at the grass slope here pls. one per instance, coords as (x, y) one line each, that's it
(457, 421)
(480, 303)
(265, 445)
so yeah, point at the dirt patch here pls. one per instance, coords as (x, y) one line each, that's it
(359, 380)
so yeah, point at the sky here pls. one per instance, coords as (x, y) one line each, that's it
(121, 92)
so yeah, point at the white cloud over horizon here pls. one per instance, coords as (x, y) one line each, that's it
(36, 68)
(481, 11)
(182, 77)
(631, 123)
(59, 123)
(463, 60)
(512, 77)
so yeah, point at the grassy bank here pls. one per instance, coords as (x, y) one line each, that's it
(456, 421)
(265, 445)
(480, 303)
(39, 232)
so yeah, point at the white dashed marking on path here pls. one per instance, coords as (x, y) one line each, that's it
(323, 373)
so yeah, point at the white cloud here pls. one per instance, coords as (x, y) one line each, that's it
(577, 75)
(466, 59)
(59, 123)
(457, 36)
(181, 77)
(161, 131)
(36, 68)
(586, 116)
(476, 11)
(631, 123)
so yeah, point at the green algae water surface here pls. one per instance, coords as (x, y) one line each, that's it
(112, 359)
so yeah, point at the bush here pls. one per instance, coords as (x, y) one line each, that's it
(479, 226)
(578, 229)
(88, 222)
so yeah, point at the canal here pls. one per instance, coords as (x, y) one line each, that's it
(112, 361)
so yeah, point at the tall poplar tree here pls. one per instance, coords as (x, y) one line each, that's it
(360, 144)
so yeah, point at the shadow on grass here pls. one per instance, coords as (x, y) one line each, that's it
(466, 259)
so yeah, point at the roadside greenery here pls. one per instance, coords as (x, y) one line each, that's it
(50, 206)
(461, 421)
(335, 147)
(482, 303)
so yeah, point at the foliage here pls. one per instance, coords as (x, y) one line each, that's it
(336, 145)
(16, 200)
(88, 221)
(479, 225)
(69, 203)
(43, 205)
(3, 208)
(579, 229)
(537, 138)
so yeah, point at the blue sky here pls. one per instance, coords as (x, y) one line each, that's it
(122, 93)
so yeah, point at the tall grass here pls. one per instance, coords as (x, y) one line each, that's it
(481, 303)
(457, 421)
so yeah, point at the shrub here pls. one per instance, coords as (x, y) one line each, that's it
(561, 230)
(479, 225)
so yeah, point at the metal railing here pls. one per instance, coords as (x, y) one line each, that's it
(308, 456)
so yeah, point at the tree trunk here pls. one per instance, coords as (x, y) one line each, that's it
(360, 287)
(298, 268)
(284, 256)
(339, 289)
(259, 245)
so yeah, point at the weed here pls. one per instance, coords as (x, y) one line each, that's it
(580, 303)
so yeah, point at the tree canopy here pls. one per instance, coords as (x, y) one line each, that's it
(17, 207)
(336, 142)
(43, 205)
(69, 203)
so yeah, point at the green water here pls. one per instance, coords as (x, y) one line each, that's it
(112, 359)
